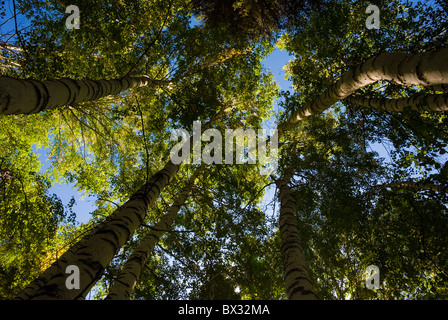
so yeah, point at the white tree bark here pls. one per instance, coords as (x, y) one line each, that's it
(22, 96)
(94, 252)
(295, 270)
(430, 102)
(425, 69)
(125, 283)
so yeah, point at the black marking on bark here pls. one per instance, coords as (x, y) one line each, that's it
(302, 292)
(124, 283)
(70, 93)
(297, 281)
(420, 74)
(39, 103)
(112, 233)
(136, 211)
(47, 291)
(288, 227)
(300, 270)
(89, 266)
(125, 217)
(123, 226)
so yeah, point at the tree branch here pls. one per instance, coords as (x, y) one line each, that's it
(424, 69)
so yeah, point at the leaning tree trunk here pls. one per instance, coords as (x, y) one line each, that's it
(426, 69)
(22, 96)
(430, 102)
(295, 270)
(93, 253)
(124, 284)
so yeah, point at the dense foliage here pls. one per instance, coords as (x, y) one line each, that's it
(206, 58)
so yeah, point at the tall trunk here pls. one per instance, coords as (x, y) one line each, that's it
(425, 69)
(93, 253)
(22, 96)
(430, 102)
(124, 284)
(295, 270)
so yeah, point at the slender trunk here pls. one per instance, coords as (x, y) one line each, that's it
(295, 270)
(425, 69)
(93, 253)
(430, 102)
(22, 96)
(124, 284)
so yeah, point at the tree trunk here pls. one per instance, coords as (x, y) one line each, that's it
(124, 284)
(430, 102)
(93, 253)
(295, 270)
(425, 69)
(21, 96)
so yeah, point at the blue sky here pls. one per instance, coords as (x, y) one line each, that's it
(275, 61)
(85, 205)
(65, 191)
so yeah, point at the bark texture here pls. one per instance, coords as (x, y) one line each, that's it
(94, 252)
(22, 96)
(295, 270)
(124, 284)
(430, 102)
(426, 69)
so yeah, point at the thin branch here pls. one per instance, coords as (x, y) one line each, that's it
(19, 36)
(152, 42)
(95, 130)
(254, 197)
(166, 230)
(114, 203)
(144, 139)
(377, 68)
(190, 264)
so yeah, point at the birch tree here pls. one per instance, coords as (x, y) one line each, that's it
(434, 102)
(399, 129)
(364, 121)
(94, 252)
(298, 283)
(125, 282)
(21, 96)
(426, 69)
